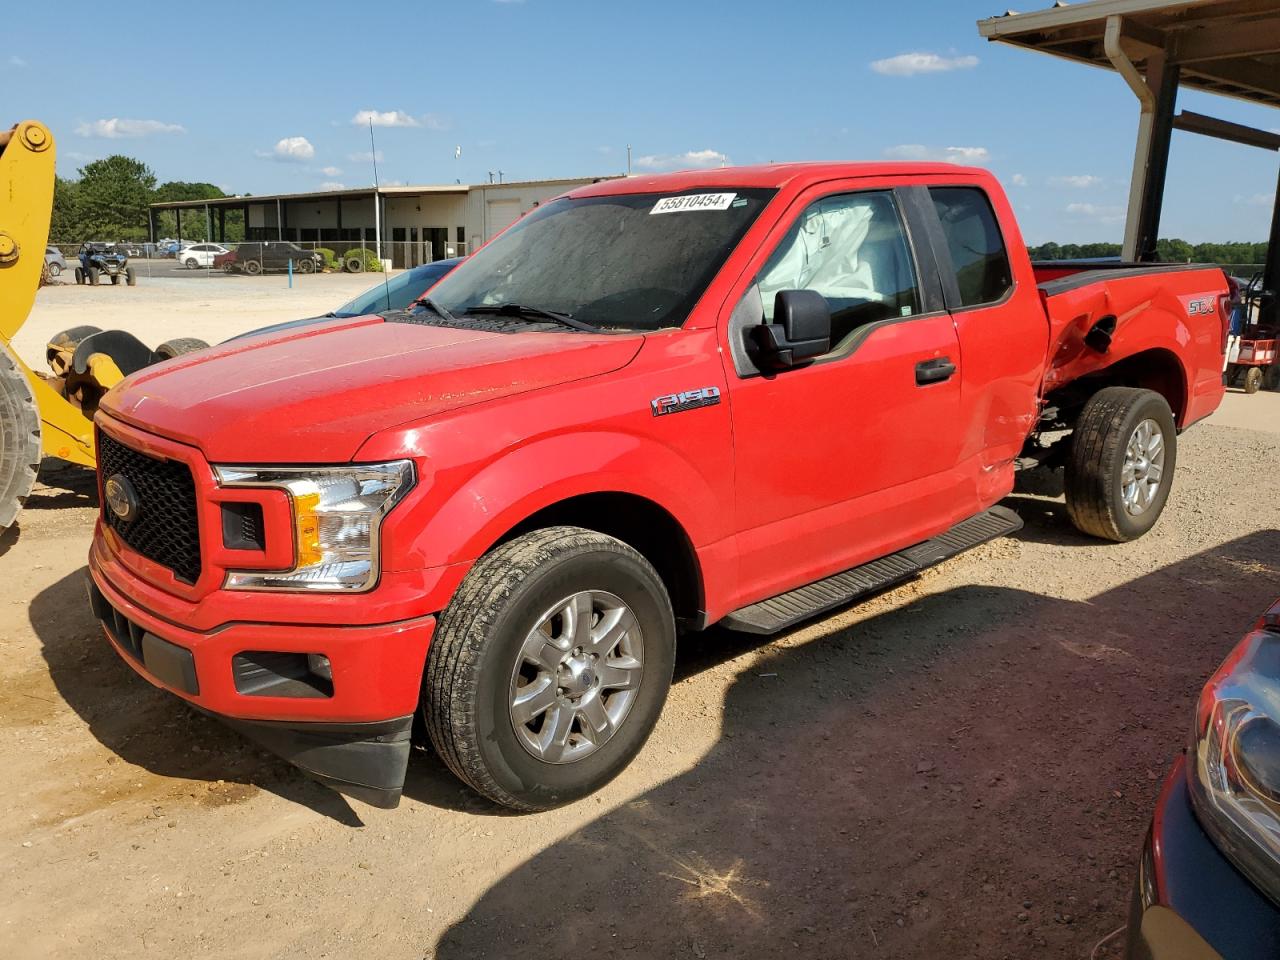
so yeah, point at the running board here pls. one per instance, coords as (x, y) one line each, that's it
(805, 603)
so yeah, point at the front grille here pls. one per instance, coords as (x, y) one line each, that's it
(165, 529)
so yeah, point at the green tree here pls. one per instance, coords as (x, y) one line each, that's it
(112, 197)
(65, 226)
(194, 225)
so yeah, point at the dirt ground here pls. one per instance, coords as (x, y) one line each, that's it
(961, 767)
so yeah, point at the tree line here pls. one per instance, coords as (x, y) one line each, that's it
(111, 198)
(1171, 251)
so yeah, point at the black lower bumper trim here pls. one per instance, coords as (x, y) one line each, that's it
(362, 760)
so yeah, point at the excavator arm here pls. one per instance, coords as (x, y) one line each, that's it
(34, 416)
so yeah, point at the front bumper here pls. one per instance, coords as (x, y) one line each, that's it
(1190, 902)
(354, 738)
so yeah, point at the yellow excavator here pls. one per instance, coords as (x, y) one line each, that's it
(47, 415)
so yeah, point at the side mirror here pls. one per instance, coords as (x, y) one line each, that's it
(801, 329)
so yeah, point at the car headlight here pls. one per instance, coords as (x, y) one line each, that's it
(1234, 776)
(337, 517)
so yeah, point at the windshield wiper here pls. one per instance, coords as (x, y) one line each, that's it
(436, 308)
(520, 310)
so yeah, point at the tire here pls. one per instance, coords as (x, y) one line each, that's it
(178, 346)
(475, 659)
(55, 271)
(130, 277)
(252, 267)
(1096, 464)
(1252, 379)
(228, 267)
(305, 266)
(79, 275)
(354, 265)
(19, 439)
(93, 276)
(192, 263)
(1271, 377)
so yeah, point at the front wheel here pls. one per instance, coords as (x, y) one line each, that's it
(549, 667)
(55, 271)
(1252, 379)
(79, 275)
(93, 276)
(305, 266)
(1120, 466)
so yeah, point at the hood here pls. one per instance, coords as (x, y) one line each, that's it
(315, 394)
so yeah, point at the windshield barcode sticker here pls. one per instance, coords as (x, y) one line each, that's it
(694, 201)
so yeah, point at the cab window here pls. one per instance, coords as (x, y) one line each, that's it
(977, 249)
(852, 249)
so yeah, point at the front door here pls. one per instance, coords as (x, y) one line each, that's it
(855, 454)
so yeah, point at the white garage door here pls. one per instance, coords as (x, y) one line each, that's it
(502, 213)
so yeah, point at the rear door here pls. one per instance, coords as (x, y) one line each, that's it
(1001, 325)
(853, 455)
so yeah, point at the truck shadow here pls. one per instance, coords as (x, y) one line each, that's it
(969, 775)
(147, 726)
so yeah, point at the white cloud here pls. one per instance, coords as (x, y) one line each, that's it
(332, 185)
(1018, 180)
(331, 171)
(1077, 182)
(365, 156)
(117, 128)
(384, 118)
(1093, 211)
(909, 64)
(1256, 200)
(16, 61)
(919, 152)
(691, 159)
(290, 150)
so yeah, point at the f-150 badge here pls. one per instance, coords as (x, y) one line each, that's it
(688, 400)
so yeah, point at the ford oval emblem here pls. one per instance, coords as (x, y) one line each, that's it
(121, 498)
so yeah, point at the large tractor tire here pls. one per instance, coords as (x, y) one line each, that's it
(178, 346)
(19, 439)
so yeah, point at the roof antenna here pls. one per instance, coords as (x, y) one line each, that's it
(377, 216)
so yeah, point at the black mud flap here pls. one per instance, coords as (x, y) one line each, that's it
(366, 761)
(804, 603)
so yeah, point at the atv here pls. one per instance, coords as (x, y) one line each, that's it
(104, 259)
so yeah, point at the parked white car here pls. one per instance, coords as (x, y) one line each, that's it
(200, 254)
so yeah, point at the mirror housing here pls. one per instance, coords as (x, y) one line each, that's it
(801, 329)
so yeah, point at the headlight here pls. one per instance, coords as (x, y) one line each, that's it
(1234, 776)
(337, 516)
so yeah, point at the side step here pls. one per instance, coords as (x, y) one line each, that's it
(804, 603)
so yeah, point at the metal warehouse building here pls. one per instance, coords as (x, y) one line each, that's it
(414, 224)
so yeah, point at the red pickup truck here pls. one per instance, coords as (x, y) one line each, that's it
(742, 396)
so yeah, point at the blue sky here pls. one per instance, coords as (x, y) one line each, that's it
(263, 97)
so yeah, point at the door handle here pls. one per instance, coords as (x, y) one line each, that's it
(934, 371)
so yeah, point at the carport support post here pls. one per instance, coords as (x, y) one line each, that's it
(222, 224)
(1271, 272)
(1163, 78)
(177, 211)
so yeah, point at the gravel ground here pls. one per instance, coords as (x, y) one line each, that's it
(961, 767)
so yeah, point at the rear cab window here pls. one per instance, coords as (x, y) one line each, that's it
(976, 246)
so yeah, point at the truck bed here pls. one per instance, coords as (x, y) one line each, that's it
(1102, 312)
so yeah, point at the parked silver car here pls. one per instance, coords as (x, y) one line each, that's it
(55, 261)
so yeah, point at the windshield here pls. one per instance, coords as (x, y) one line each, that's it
(637, 261)
(396, 294)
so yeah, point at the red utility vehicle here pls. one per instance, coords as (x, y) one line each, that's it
(742, 396)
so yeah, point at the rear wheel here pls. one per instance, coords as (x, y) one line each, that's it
(55, 271)
(192, 263)
(1252, 379)
(252, 267)
(549, 667)
(1120, 466)
(19, 439)
(178, 346)
(305, 266)
(228, 267)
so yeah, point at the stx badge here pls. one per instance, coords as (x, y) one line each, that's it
(688, 400)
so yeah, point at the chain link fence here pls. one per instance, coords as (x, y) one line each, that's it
(253, 258)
